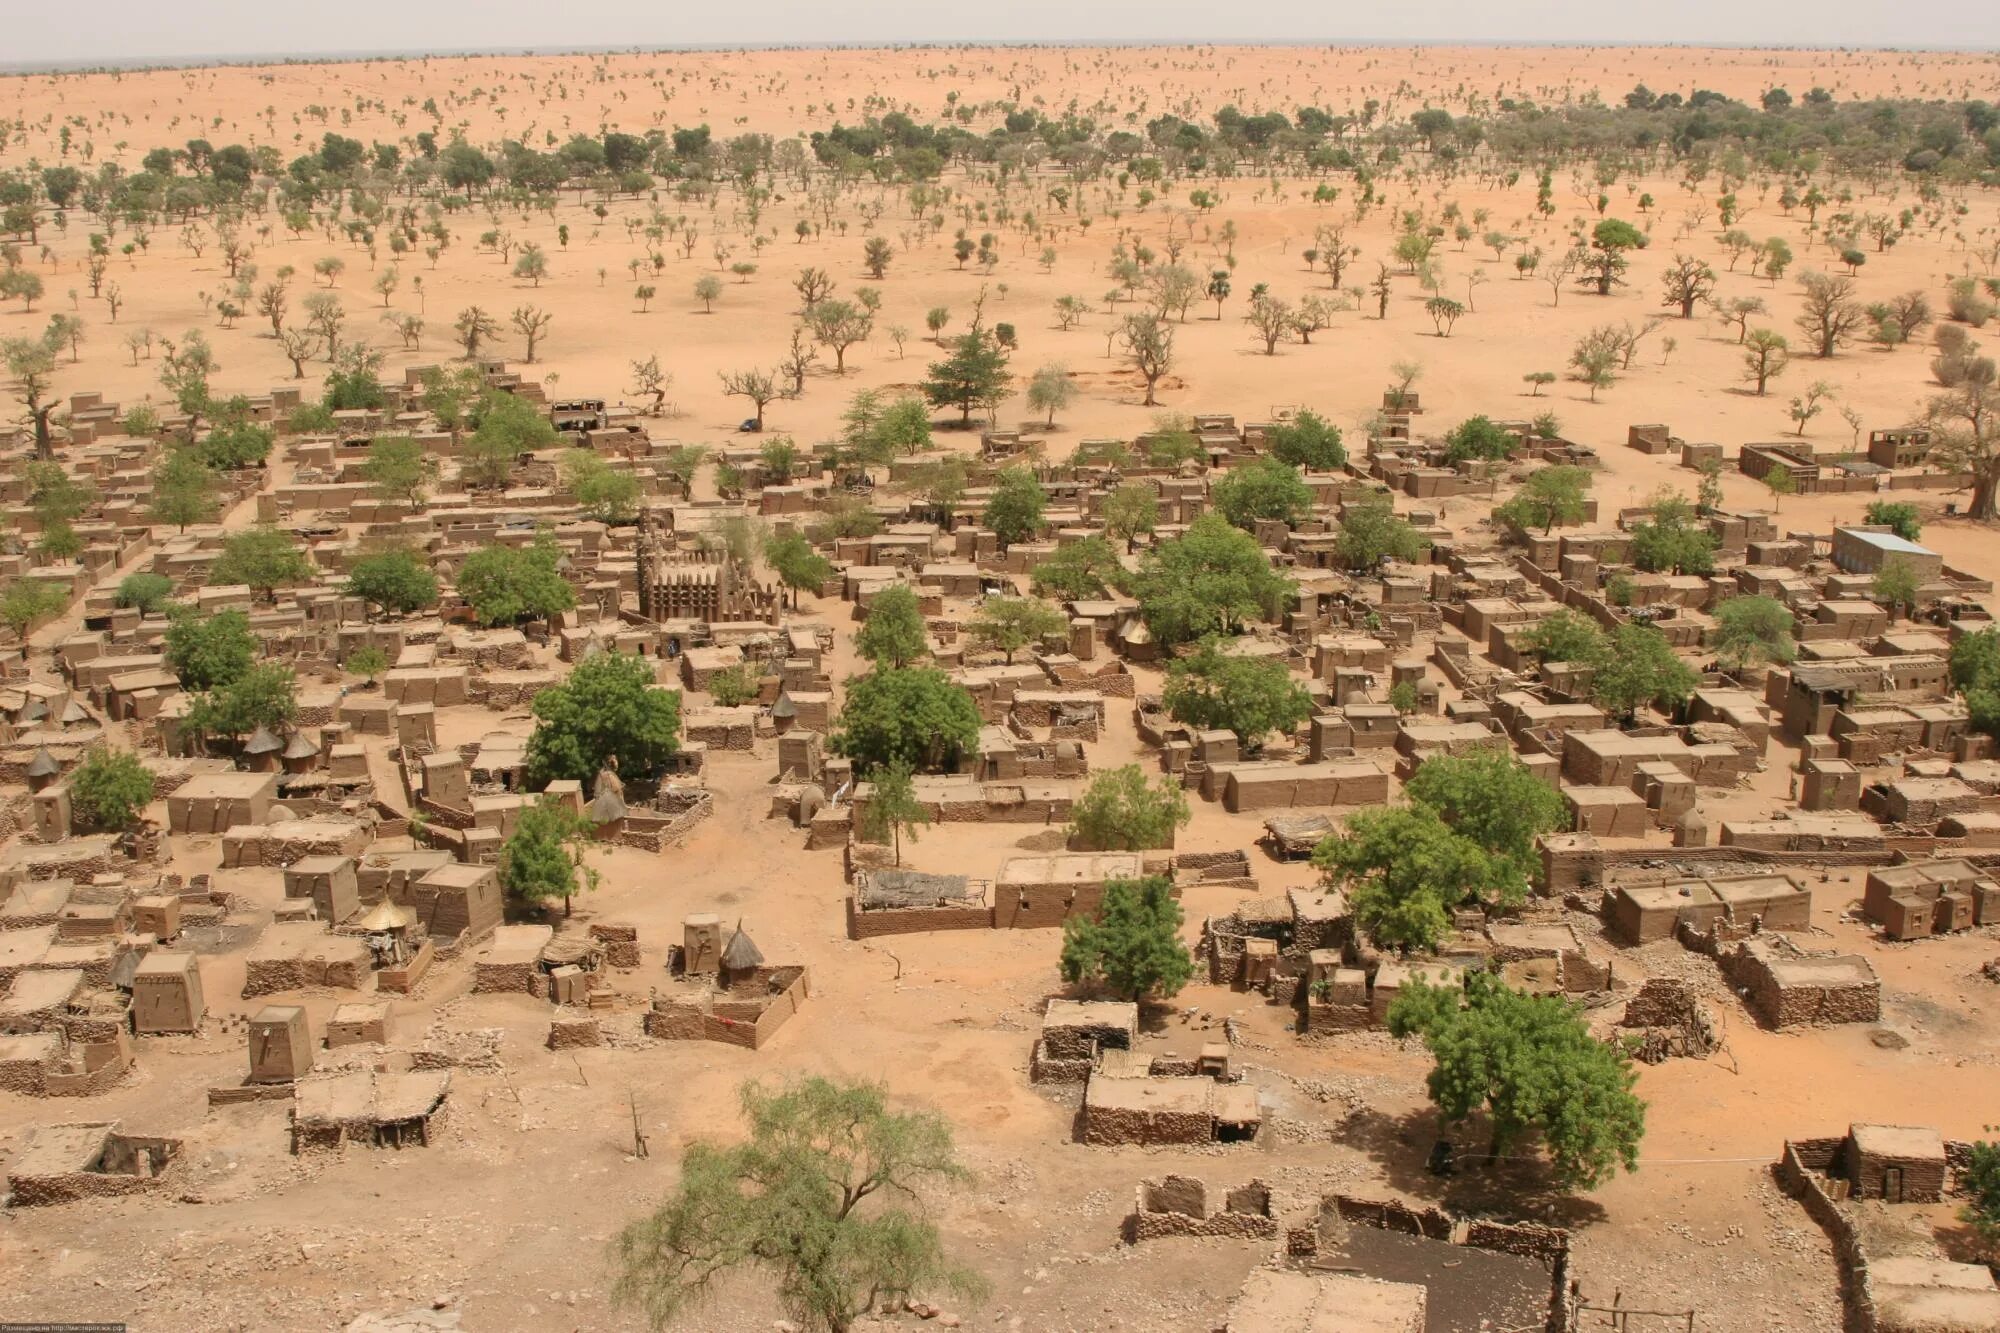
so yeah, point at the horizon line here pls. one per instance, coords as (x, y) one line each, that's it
(257, 59)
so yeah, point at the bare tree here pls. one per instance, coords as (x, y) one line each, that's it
(298, 345)
(1687, 283)
(1829, 315)
(532, 323)
(759, 386)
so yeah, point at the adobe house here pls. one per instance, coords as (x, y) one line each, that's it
(64, 1163)
(1895, 1163)
(218, 802)
(1865, 550)
(281, 1049)
(1119, 1108)
(1076, 1033)
(166, 994)
(748, 1003)
(1923, 898)
(381, 1109)
(1040, 891)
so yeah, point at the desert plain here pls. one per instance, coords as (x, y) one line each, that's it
(506, 1218)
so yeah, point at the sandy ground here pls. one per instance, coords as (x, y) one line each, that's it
(509, 1214)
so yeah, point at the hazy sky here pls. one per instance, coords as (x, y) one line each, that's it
(124, 29)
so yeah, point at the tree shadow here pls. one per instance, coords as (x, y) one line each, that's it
(1520, 1187)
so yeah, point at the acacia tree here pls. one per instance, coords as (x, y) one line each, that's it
(805, 1197)
(31, 369)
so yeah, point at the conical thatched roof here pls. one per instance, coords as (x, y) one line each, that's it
(742, 952)
(301, 747)
(263, 742)
(75, 712)
(386, 915)
(784, 707)
(44, 764)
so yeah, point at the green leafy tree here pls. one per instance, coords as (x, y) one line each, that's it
(1209, 580)
(1979, 1181)
(507, 427)
(1133, 945)
(185, 490)
(1121, 812)
(110, 788)
(263, 559)
(1308, 441)
(823, 1195)
(1671, 541)
(973, 378)
(542, 859)
(893, 635)
(1251, 696)
(1078, 570)
(1132, 509)
(1014, 511)
(1750, 630)
(368, 661)
(1404, 871)
(1010, 624)
(266, 695)
(605, 493)
(1566, 636)
(1641, 668)
(55, 497)
(910, 715)
(732, 686)
(397, 581)
(1897, 586)
(205, 651)
(397, 465)
(609, 711)
(798, 566)
(1492, 798)
(892, 809)
(1371, 532)
(1265, 489)
(1531, 1063)
(505, 585)
(1550, 496)
(1477, 438)
(1899, 516)
(1050, 391)
(145, 592)
(29, 600)
(1975, 670)
(235, 443)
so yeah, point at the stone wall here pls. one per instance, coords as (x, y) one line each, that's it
(869, 924)
(1178, 1206)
